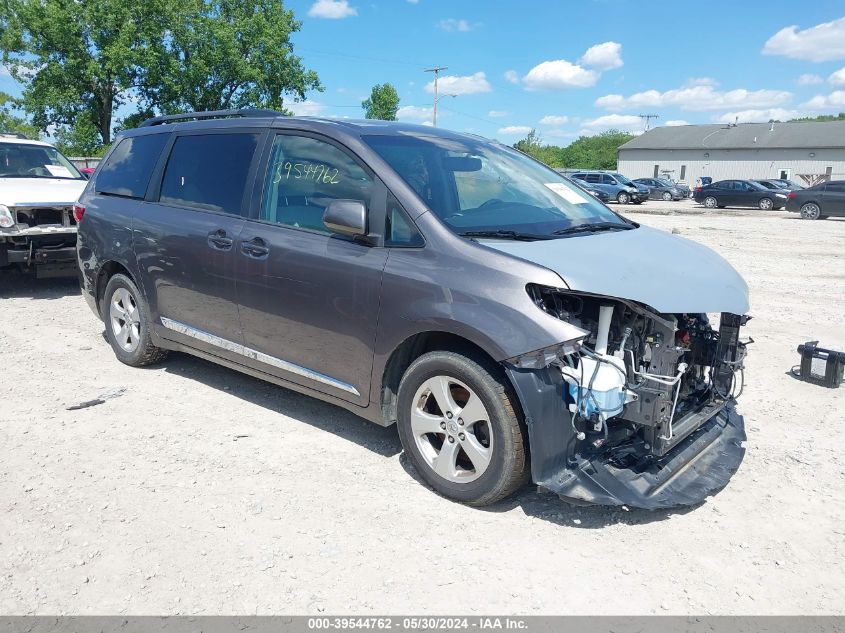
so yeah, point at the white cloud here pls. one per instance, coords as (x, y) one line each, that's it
(332, 9)
(835, 99)
(514, 130)
(837, 77)
(676, 123)
(557, 74)
(702, 81)
(821, 43)
(758, 116)
(457, 85)
(809, 79)
(552, 119)
(626, 122)
(414, 113)
(497, 114)
(305, 108)
(696, 98)
(603, 56)
(4, 72)
(512, 76)
(451, 24)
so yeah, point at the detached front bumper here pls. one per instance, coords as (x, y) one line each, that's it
(697, 467)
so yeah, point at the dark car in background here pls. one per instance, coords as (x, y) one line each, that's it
(594, 191)
(617, 186)
(660, 189)
(739, 193)
(787, 184)
(819, 202)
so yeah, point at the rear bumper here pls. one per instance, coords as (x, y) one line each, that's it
(695, 468)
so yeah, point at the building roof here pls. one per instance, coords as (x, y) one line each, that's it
(796, 135)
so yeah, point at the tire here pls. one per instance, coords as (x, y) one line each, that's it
(667, 197)
(622, 197)
(766, 204)
(811, 211)
(127, 319)
(710, 202)
(488, 460)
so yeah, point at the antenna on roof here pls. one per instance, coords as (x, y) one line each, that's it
(648, 118)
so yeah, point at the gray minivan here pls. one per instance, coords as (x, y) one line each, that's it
(510, 325)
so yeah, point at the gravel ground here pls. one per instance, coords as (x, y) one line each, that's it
(195, 489)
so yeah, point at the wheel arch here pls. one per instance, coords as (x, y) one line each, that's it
(106, 271)
(421, 343)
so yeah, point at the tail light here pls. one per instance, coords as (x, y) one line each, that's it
(78, 212)
(791, 194)
(697, 189)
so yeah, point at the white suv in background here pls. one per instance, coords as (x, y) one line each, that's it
(38, 188)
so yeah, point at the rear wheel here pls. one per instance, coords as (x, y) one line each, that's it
(622, 197)
(710, 202)
(127, 319)
(811, 211)
(766, 204)
(459, 426)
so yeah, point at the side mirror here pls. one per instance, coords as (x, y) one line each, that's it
(346, 217)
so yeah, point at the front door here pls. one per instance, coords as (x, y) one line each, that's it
(185, 241)
(309, 300)
(833, 199)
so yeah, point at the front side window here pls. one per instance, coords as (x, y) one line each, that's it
(209, 171)
(474, 185)
(128, 168)
(28, 160)
(304, 175)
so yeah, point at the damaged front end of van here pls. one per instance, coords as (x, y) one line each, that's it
(641, 410)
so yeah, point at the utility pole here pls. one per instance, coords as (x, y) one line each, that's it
(436, 70)
(648, 118)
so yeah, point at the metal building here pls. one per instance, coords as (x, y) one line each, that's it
(806, 152)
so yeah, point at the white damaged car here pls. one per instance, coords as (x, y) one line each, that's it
(38, 189)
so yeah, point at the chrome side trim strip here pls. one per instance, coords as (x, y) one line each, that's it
(254, 354)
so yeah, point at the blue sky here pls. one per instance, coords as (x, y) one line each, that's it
(571, 68)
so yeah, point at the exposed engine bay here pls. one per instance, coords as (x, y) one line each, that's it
(39, 237)
(640, 383)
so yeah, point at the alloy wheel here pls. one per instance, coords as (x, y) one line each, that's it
(125, 319)
(622, 198)
(766, 204)
(810, 211)
(452, 430)
(710, 202)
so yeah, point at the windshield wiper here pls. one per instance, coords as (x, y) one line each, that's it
(505, 234)
(594, 227)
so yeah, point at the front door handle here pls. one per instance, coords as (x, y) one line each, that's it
(219, 241)
(255, 248)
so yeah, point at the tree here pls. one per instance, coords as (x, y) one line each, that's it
(222, 54)
(383, 103)
(78, 60)
(11, 122)
(587, 152)
(821, 117)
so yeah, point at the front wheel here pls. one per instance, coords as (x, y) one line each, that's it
(766, 204)
(622, 197)
(667, 197)
(459, 427)
(811, 211)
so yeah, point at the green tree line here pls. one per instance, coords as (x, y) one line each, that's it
(79, 61)
(586, 152)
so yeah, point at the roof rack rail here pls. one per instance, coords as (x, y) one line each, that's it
(14, 135)
(210, 114)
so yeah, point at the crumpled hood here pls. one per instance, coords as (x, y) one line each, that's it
(22, 191)
(669, 273)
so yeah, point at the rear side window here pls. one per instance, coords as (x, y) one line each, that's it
(835, 187)
(128, 168)
(208, 171)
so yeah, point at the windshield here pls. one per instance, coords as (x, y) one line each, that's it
(666, 183)
(622, 179)
(475, 186)
(21, 160)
